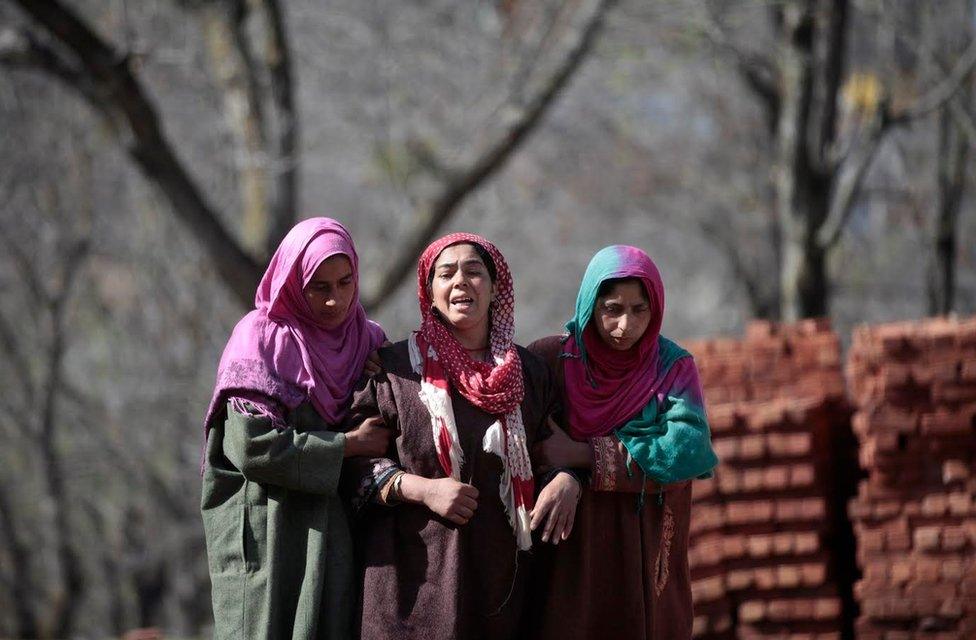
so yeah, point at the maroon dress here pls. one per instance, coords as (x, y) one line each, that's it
(421, 575)
(623, 572)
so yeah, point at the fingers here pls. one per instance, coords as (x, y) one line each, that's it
(468, 490)
(374, 421)
(542, 507)
(467, 502)
(568, 526)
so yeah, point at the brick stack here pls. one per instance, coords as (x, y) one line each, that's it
(763, 530)
(914, 386)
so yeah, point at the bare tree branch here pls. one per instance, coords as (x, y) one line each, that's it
(943, 91)
(846, 184)
(465, 182)
(756, 70)
(278, 59)
(15, 358)
(118, 91)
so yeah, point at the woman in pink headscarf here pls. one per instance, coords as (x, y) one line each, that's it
(278, 541)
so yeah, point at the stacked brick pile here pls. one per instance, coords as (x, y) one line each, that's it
(914, 386)
(764, 530)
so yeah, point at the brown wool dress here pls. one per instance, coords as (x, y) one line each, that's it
(422, 576)
(622, 573)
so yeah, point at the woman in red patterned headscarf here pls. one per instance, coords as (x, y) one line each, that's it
(446, 515)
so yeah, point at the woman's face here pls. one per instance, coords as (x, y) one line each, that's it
(461, 289)
(621, 317)
(330, 290)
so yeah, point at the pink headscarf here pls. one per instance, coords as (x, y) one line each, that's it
(280, 349)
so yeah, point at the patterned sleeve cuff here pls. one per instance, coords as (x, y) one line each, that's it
(604, 477)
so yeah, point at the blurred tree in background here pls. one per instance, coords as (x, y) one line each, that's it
(777, 158)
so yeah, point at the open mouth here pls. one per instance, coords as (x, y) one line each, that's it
(462, 302)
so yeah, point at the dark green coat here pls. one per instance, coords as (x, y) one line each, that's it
(278, 539)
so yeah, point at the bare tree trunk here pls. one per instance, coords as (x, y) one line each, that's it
(224, 26)
(953, 157)
(804, 133)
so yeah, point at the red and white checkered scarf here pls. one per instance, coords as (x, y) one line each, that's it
(496, 388)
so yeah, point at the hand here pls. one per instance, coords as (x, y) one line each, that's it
(371, 438)
(451, 499)
(559, 450)
(558, 501)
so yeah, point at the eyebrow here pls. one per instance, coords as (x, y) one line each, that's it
(348, 275)
(466, 263)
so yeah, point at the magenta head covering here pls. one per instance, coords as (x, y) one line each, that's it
(280, 349)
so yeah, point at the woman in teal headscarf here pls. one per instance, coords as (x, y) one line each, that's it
(635, 423)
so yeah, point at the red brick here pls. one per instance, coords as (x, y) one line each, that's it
(927, 538)
(886, 509)
(967, 371)
(802, 475)
(806, 543)
(934, 504)
(729, 480)
(766, 416)
(901, 571)
(765, 578)
(726, 449)
(708, 589)
(776, 478)
(733, 547)
(813, 575)
(950, 392)
(871, 540)
(751, 480)
(898, 537)
(954, 539)
(925, 590)
(784, 544)
(752, 447)
(877, 571)
(752, 611)
(954, 471)
(951, 608)
(759, 546)
(944, 423)
(858, 509)
(928, 569)
(813, 508)
(953, 569)
(787, 576)
(739, 579)
(826, 609)
(779, 610)
(798, 444)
